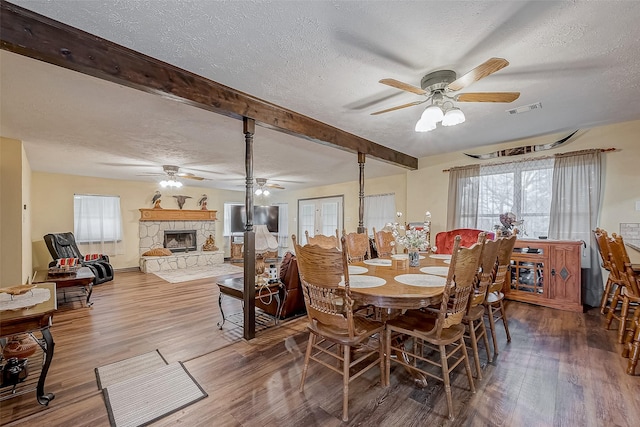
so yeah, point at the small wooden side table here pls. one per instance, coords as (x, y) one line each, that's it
(83, 278)
(30, 320)
(234, 288)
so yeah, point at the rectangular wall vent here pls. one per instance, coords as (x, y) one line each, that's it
(525, 108)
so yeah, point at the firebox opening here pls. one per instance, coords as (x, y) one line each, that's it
(180, 240)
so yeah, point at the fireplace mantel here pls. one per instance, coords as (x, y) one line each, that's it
(176, 215)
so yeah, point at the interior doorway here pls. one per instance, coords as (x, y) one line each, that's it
(323, 215)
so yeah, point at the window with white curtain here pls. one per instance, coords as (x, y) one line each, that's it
(523, 188)
(98, 223)
(379, 210)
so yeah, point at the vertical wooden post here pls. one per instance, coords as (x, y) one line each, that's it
(361, 158)
(249, 127)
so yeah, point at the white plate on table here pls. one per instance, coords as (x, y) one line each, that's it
(422, 280)
(359, 282)
(438, 271)
(378, 262)
(356, 269)
(440, 256)
(404, 256)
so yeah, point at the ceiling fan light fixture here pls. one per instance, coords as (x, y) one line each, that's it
(265, 192)
(425, 125)
(170, 183)
(432, 113)
(453, 116)
(258, 191)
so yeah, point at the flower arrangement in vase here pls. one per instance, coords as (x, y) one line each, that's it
(412, 238)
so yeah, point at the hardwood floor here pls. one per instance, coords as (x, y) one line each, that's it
(561, 368)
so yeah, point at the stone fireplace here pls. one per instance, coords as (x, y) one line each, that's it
(181, 231)
(180, 240)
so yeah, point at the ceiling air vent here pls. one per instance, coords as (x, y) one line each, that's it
(525, 108)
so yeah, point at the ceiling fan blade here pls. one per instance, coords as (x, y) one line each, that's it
(403, 86)
(488, 97)
(190, 176)
(411, 104)
(276, 186)
(481, 71)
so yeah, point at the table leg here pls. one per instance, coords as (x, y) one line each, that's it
(221, 311)
(43, 398)
(90, 285)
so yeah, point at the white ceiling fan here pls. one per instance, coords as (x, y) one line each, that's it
(172, 173)
(438, 87)
(263, 187)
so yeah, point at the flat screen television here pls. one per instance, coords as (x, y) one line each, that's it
(262, 215)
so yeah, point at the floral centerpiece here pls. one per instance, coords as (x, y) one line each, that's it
(414, 239)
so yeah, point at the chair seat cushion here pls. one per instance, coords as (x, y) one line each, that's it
(416, 322)
(363, 328)
(494, 297)
(475, 313)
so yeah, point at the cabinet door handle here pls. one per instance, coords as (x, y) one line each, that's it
(553, 271)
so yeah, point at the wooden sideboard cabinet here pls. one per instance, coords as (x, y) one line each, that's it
(547, 273)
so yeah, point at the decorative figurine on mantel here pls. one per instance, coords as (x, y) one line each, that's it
(210, 244)
(181, 200)
(203, 202)
(156, 200)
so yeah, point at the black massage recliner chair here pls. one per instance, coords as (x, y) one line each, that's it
(63, 245)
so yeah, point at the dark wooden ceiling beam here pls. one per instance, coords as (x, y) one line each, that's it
(30, 34)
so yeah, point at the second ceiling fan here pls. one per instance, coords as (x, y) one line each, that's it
(438, 87)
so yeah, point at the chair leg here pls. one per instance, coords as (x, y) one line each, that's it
(485, 337)
(474, 347)
(467, 367)
(307, 356)
(634, 354)
(381, 353)
(387, 356)
(504, 320)
(445, 377)
(612, 307)
(492, 326)
(605, 296)
(622, 327)
(345, 383)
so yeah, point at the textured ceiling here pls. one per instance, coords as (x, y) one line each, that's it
(322, 59)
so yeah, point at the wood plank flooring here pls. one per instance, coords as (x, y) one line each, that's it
(561, 368)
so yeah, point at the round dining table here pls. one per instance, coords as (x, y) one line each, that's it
(395, 294)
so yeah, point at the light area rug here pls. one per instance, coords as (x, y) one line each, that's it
(142, 399)
(195, 273)
(124, 369)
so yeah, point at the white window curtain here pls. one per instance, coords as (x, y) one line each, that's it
(379, 210)
(98, 224)
(283, 226)
(575, 204)
(462, 206)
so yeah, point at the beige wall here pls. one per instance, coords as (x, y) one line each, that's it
(52, 196)
(427, 188)
(27, 258)
(13, 267)
(391, 184)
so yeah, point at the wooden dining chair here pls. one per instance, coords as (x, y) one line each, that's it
(440, 333)
(385, 243)
(334, 331)
(627, 280)
(603, 249)
(474, 318)
(494, 303)
(324, 241)
(357, 245)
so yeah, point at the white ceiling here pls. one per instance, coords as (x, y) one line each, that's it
(322, 59)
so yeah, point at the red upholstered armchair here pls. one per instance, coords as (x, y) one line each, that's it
(444, 239)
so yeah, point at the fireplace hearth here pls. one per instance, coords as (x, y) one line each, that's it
(180, 240)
